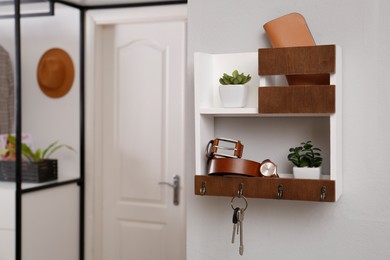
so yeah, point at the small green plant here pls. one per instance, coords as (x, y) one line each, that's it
(38, 155)
(235, 79)
(305, 155)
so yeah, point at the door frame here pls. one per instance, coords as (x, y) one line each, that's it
(94, 23)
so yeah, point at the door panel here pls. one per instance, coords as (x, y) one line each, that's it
(143, 125)
(140, 98)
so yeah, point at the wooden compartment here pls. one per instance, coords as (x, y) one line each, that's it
(302, 62)
(320, 59)
(297, 99)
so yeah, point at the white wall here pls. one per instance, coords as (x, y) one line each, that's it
(358, 225)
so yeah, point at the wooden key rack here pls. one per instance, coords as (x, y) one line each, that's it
(266, 188)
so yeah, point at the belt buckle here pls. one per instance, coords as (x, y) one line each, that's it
(214, 147)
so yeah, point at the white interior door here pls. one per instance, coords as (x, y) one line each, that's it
(142, 141)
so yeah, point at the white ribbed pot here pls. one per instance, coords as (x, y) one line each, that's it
(233, 95)
(307, 173)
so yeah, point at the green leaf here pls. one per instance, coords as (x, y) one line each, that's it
(304, 163)
(5, 151)
(239, 79)
(50, 152)
(48, 148)
(235, 74)
(28, 153)
(37, 155)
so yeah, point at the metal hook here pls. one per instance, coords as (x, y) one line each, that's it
(203, 188)
(240, 190)
(323, 193)
(280, 191)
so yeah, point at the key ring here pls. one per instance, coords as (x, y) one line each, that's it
(240, 197)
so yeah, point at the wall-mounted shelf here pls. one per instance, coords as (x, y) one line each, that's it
(279, 121)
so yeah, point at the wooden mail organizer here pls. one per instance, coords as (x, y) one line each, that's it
(290, 104)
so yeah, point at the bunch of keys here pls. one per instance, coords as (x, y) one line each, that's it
(238, 218)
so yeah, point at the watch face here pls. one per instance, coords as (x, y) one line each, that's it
(268, 168)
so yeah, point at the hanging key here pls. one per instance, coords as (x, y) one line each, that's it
(240, 223)
(235, 220)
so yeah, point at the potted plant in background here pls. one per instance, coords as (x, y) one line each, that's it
(233, 89)
(307, 161)
(37, 168)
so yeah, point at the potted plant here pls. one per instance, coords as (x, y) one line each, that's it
(233, 89)
(307, 161)
(37, 168)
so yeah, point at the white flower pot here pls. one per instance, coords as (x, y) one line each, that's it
(307, 173)
(233, 95)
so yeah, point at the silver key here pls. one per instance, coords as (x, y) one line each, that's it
(234, 232)
(240, 221)
(235, 222)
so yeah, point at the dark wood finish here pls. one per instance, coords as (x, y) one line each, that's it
(318, 59)
(266, 188)
(297, 99)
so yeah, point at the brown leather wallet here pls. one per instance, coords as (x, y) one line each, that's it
(234, 166)
(291, 30)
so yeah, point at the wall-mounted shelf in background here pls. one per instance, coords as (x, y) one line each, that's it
(280, 103)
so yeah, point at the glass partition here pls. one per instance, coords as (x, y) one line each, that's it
(39, 114)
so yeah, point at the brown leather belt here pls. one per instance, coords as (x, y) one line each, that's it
(217, 144)
(234, 166)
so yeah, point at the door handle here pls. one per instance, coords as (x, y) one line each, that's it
(176, 189)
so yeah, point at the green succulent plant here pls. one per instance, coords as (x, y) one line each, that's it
(235, 79)
(305, 155)
(39, 154)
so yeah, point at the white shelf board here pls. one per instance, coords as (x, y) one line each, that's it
(253, 111)
(8, 185)
(291, 176)
(229, 111)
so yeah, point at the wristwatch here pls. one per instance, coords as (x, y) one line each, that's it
(268, 169)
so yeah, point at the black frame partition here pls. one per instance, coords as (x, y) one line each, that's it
(18, 9)
(18, 117)
(19, 190)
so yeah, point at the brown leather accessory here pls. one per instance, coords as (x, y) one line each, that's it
(291, 30)
(217, 144)
(234, 166)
